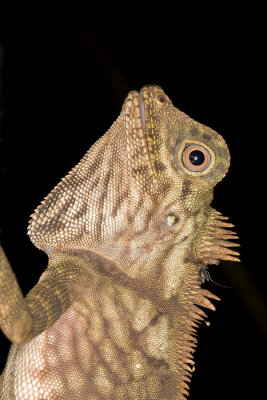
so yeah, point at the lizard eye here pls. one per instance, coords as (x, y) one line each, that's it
(196, 158)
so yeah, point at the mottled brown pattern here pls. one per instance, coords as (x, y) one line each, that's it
(129, 233)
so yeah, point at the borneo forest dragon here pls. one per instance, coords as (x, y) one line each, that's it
(128, 232)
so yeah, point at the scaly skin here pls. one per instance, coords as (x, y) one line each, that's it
(128, 232)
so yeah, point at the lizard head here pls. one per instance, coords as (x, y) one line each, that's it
(146, 185)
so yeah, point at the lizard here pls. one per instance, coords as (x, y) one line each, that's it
(130, 233)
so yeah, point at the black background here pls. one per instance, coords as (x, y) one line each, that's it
(66, 69)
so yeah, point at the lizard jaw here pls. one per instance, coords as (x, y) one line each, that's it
(142, 111)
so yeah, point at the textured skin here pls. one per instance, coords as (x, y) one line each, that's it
(129, 232)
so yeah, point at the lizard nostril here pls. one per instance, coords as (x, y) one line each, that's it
(161, 98)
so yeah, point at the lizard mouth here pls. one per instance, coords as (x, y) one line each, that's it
(142, 111)
(145, 99)
(144, 118)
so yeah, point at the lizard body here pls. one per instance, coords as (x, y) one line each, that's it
(127, 232)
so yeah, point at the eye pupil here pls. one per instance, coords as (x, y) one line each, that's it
(196, 157)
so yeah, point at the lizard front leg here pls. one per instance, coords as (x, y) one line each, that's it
(21, 318)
